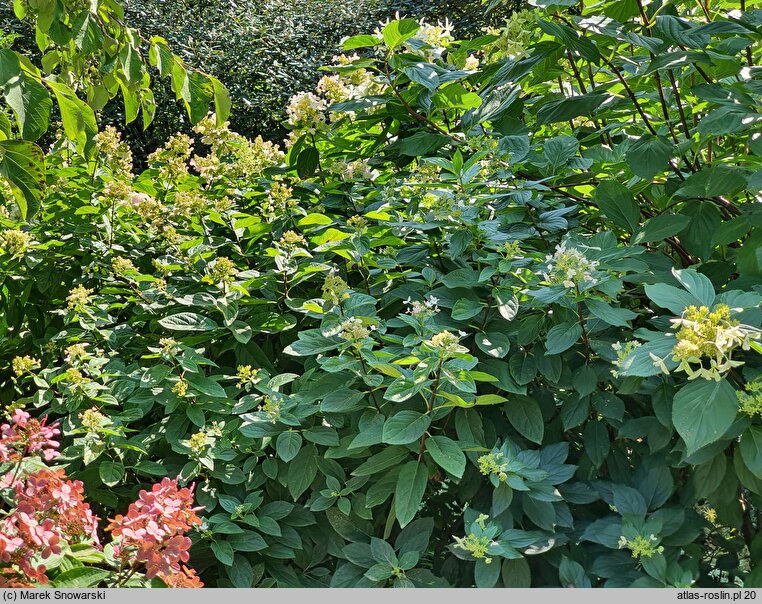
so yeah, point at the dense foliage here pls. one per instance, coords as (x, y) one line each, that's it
(264, 51)
(267, 51)
(491, 318)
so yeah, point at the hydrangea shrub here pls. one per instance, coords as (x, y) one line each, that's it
(490, 316)
(50, 536)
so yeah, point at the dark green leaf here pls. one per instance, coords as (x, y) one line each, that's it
(405, 427)
(411, 485)
(23, 164)
(525, 415)
(649, 155)
(447, 454)
(702, 412)
(287, 445)
(616, 202)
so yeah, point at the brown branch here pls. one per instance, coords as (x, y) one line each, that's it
(631, 94)
(430, 405)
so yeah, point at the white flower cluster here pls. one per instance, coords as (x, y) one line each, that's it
(425, 309)
(708, 335)
(358, 83)
(447, 343)
(438, 35)
(353, 330)
(232, 155)
(514, 38)
(351, 170)
(622, 352)
(333, 88)
(472, 63)
(306, 112)
(569, 267)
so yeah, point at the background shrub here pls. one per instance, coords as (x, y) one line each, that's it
(263, 50)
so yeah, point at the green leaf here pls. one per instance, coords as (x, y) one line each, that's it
(387, 458)
(10, 67)
(559, 150)
(456, 96)
(649, 155)
(287, 445)
(241, 331)
(572, 574)
(307, 162)
(617, 203)
(727, 120)
(697, 284)
(562, 337)
(618, 317)
(160, 56)
(396, 32)
(525, 415)
(745, 476)
(486, 575)
(240, 572)
(223, 551)
(408, 495)
(81, 577)
(447, 454)
(493, 343)
(465, 309)
(568, 36)
(639, 362)
(131, 103)
(379, 572)
(309, 343)
(222, 102)
(405, 427)
(343, 400)
(196, 415)
(421, 143)
(660, 227)
(205, 385)
(198, 93)
(749, 256)
(672, 298)
(702, 411)
(31, 104)
(87, 35)
(708, 476)
(565, 109)
(597, 442)
(712, 181)
(302, 471)
(402, 389)
(77, 116)
(704, 217)
(23, 164)
(111, 472)
(507, 303)
(362, 41)
(248, 541)
(5, 127)
(151, 468)
(516, 573)
(489, 399)
(188, 321)
(751, 449)
(383, 552)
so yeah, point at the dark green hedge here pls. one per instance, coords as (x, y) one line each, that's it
(263, 50)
